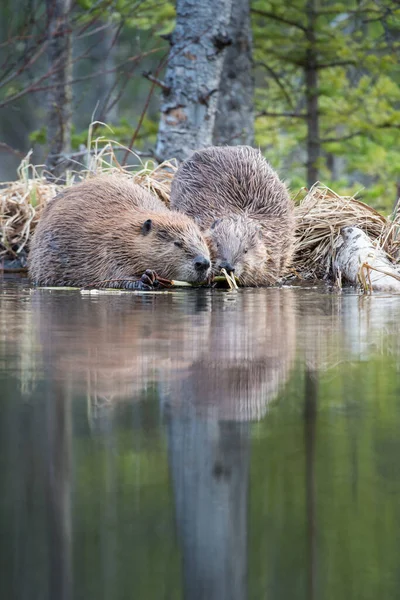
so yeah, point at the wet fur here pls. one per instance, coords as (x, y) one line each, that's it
(239, 201)
(109, 228)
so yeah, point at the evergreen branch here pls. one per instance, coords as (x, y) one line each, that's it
(350, 136)
(277, 80)
(275, 17)
(335, 63)
(356, 12)
(293, 115)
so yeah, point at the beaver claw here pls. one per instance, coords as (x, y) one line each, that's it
(148, 281)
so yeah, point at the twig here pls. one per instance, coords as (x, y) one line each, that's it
(161, 84)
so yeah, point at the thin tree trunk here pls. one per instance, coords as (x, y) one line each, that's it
(311, 82)
(105, 56)
(234, 122)
(310, 420)
(60, 92)
(193, 77)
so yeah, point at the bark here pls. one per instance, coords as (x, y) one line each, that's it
(193, 77)
(355, 253)
(311, 82)
(60, 92)
(234, 123)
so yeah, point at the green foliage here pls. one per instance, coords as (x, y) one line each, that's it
(154, 15)
(356, 49)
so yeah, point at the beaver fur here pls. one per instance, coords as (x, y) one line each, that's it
(108, 231)
(245, 209)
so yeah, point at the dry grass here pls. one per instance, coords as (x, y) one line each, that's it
(157, 179)
(321, 214)
(22, 201)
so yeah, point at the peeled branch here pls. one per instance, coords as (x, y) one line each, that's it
(359, 262)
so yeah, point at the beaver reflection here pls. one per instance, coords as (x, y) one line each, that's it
(226, 355)
(247, 357)
(111, 347)
(218, 359)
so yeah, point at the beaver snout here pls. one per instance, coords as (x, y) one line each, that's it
(201, 263)
(227, 266)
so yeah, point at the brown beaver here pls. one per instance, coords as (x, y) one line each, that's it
(238, 199)
(108, 230)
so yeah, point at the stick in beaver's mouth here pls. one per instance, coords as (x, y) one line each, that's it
(230, 279)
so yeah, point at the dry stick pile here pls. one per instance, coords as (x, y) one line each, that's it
(319, 218)
(21, 203)
(320, 215)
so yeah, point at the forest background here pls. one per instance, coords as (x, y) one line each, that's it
(314, 83)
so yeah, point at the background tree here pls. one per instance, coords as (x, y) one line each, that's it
(193, 76)
(327, 84)
(234, 122)
(111, 43)
(330, 89)
(60, 76)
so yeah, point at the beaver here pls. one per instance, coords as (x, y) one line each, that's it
(108, 231)
(245, 209)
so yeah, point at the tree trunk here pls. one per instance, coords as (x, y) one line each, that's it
(193, 77)
(311, 82)
(210, 468)
(60, 92)
(310, 422)
(104, 56)
(234, 122)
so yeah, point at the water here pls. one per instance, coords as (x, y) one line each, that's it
(199, 445)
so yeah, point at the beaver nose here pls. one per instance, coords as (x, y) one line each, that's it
(227, 266)
(202, 263)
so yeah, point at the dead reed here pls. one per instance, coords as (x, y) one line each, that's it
(22, 201)
(319, 218)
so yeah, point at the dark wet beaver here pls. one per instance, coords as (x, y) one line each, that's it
(245, 209)
(108, 231)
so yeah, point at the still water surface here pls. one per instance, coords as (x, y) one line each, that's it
(199, 444)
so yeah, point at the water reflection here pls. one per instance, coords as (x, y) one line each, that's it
(183, 444)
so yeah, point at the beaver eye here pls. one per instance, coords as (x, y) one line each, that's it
(246, 250)
(178, 244)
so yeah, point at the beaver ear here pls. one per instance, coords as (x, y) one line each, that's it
(215, 223)
(146, 227)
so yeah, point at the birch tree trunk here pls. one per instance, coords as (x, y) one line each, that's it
(234, 122)
(60, 92)
(357, 254)
(193, 77)
(210, 468)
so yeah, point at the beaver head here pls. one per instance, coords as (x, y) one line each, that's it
(173, 246)
(237, 245)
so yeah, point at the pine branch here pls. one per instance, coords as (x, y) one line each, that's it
(280, 19)
(350, 136)
(277, 80)
(292, 115)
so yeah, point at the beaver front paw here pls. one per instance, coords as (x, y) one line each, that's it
(147, 282)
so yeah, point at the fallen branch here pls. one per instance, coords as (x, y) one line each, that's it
(362, 263)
